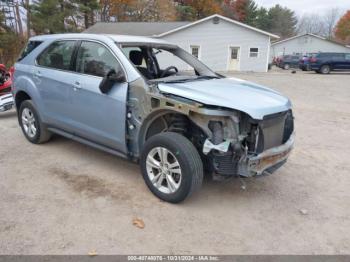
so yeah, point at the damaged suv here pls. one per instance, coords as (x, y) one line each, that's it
(151, 102)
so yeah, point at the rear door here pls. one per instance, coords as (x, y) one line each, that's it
(295, 60)
(338, 61)
(53, 76)
(347, 61)
(98, 117)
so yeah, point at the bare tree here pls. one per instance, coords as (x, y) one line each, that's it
(311, 24)
(322, 25)
(330, 19)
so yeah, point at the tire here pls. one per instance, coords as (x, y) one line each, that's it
(325, 69)
(286, 66)
(176, 148)
(29, 117)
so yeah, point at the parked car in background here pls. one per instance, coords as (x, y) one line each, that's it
(289, 61)
(304, 62)
(324, 63)
(6, 99)
(118, 94)
(276, 60)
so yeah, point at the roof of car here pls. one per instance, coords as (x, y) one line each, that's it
(116, 38)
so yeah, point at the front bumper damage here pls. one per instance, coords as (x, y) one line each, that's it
(267, 161)
(6, 102)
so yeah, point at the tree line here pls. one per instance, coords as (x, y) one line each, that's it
(20, 19)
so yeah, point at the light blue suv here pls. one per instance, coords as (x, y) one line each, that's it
(151, 102)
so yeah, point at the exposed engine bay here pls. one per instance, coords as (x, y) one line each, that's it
(230, 142)
(235, 136)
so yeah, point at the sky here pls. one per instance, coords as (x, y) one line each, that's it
(308, 6)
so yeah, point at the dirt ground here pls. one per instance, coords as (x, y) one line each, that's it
(66, 198)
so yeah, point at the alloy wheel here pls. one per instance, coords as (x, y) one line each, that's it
(29, 122)
(163, 170)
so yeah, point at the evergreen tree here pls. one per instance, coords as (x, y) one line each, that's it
(282, 21)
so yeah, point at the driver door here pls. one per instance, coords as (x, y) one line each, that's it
(98, 117)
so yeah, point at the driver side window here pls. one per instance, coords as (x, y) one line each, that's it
(95, 59)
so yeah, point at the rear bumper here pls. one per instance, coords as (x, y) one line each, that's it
(6, 102)
(267, 160)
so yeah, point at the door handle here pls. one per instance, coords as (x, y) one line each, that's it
(76, 85)
(37, 74)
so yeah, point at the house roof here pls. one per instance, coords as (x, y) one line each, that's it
(221, 17)
(134, 28)
(309, 34)
(160, 29)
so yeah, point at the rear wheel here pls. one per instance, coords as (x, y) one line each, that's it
(286, 66)
(171, 167)
(325, 69)
(33, 129)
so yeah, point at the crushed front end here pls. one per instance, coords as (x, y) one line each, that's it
(240, 145)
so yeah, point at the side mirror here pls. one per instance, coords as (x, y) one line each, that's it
(110, 79)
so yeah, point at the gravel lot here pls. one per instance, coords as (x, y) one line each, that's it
(67, 198)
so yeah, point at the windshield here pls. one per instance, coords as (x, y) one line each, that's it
(165, 63)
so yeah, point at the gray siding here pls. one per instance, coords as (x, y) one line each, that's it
(215, 39)
(306, 44)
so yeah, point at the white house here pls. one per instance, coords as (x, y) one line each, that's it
(221, 43)
(306, 44)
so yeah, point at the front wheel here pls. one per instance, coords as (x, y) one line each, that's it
(286, 66)
(171, 167)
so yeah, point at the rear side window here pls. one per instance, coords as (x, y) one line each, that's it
(323, 55)
(338, 56)
(347, 56)
(29, 48)
(58, 55)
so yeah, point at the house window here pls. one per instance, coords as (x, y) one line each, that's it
(195, 51)
(253, 52)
